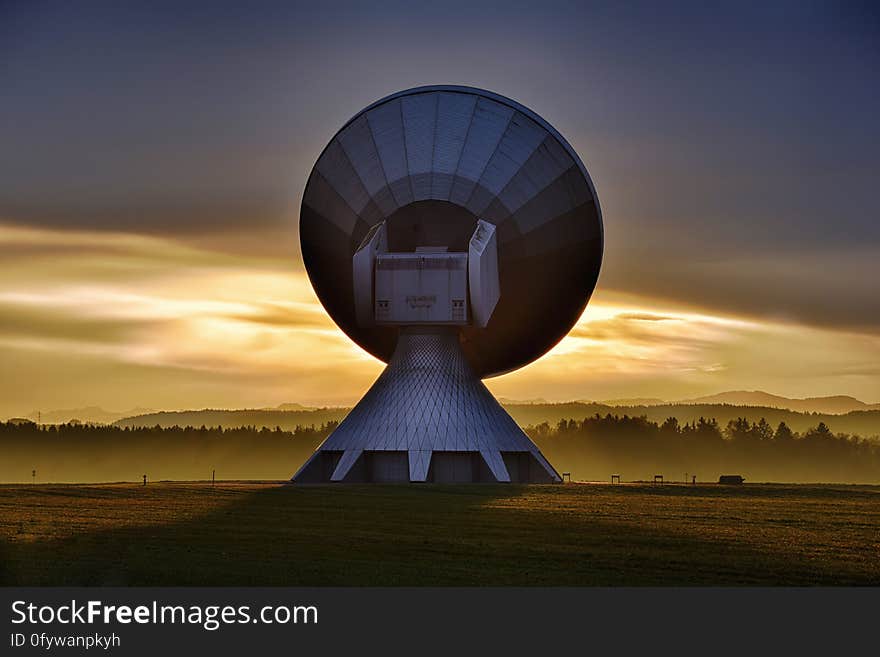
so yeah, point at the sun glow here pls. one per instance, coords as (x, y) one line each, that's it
(184, 327)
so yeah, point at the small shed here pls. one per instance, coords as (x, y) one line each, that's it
(736, 480)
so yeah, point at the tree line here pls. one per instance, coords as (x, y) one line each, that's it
(87, 453)
(638, 448)
(593, 448)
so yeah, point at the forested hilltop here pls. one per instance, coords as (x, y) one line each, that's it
(863, 423)
(638, 448)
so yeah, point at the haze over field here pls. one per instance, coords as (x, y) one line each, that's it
(789, 448)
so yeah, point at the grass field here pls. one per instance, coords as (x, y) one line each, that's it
(271, 534)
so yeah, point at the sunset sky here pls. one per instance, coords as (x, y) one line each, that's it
(152, 163)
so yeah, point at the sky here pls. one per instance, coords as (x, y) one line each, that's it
(153, 158)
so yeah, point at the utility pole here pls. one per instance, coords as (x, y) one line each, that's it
(33, 476)
(213, 472)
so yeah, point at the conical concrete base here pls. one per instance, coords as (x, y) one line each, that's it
(427, 418)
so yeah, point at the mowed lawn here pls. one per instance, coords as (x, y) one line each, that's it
(564, 535)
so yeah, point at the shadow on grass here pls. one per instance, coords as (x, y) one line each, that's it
(390, 536)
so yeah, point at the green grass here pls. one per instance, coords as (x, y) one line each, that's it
(269, 534)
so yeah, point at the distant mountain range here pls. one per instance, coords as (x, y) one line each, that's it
(98, 415)
(291, 406)
(87, 414)
(634, 401)
(751, 404)
(504, 401)
(834, 405)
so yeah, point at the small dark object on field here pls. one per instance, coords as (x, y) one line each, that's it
(145, 480)
(731, 479)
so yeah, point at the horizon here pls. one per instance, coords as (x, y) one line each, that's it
(503, 400)
(149, 215)
(706, 400)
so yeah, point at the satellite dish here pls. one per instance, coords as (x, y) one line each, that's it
(430, 162)
(454, 234)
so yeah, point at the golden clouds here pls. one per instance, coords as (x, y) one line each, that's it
(122, 320)
(627, 346)
(222, 330)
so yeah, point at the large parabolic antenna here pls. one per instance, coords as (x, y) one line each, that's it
(455, 235)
